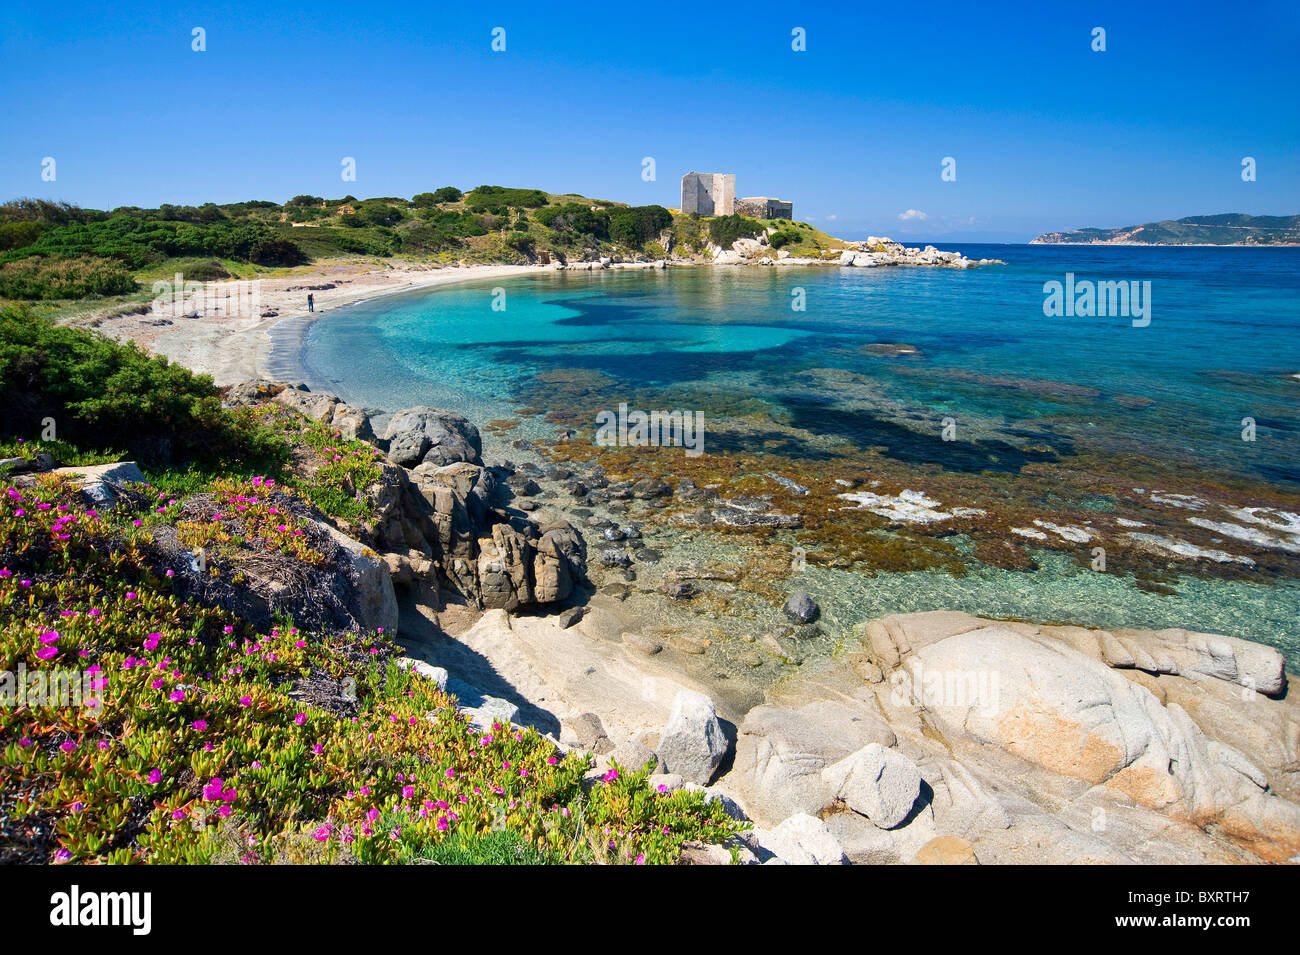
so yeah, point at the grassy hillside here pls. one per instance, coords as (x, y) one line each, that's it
(57, 252)
(1233, 228)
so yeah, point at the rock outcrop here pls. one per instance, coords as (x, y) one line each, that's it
(878, 251)
(424, 435)
(437, 522)
(1006, 742)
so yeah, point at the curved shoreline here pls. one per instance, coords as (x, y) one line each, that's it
(241, 348)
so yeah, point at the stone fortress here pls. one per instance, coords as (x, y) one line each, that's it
(714, 194)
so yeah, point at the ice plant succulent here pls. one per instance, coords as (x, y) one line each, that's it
(200, 753)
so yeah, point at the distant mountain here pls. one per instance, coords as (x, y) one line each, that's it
(1231, 228)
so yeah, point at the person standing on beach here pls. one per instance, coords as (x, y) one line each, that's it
(311, 303)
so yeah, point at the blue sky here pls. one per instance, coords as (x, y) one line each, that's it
(1047, 134)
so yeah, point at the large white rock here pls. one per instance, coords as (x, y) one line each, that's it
(780, 754)
(438, 675)
(803, 840)
(692, 744)
(1069, 713)
(881, 784)
(99, 481)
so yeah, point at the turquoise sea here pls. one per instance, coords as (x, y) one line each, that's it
(1222, 346)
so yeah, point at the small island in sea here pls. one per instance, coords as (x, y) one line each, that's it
(1233, 228)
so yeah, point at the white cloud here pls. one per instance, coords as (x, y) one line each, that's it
(911, 215)
(832, 217)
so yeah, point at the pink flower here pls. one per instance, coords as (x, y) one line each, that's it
(300, 718)
(155, 777)
(131, 595)
(63, 855)
(214, 791)
(47, 653)
(245, 701)
(640, 859)
(322, 833)
(200, 725)
(610, 776)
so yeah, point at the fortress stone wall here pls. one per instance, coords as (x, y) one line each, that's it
(709, 193)
(764, 207)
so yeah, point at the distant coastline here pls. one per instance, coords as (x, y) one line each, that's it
(1227, 229)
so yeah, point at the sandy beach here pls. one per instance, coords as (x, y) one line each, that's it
(235, 347)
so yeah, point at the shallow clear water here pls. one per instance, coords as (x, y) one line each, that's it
(1222, 345)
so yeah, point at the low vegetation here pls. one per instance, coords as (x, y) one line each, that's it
(157, 726)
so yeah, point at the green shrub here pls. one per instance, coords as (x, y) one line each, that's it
(305, 213)
(101, 394)
(523, 243)
(570, 219)
(724, 230)
(445, 194)
(423, 238)
(500, 197)
(784, 237)
(275, 251)
(195, 270)
(362, 241)
(15, 235)
(639, 224)
(45, 212)
(39, 278)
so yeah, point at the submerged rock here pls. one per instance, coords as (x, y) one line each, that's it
(801, 608)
